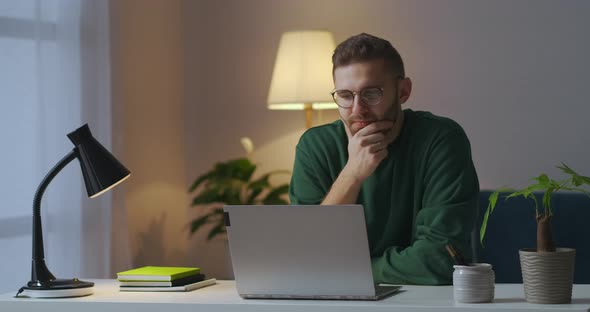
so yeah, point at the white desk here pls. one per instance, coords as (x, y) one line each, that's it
(223, 297)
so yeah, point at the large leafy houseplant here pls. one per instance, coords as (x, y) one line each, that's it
(231, 182)
(547, 186)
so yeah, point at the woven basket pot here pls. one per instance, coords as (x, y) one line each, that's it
(547, 276)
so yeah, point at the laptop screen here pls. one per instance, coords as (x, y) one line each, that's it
(300, 250)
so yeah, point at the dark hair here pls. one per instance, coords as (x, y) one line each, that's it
(365, 47)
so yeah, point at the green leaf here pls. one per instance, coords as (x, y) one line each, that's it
(547, 202)
(260, 183)
(231, 196)
(252, 197)
(263, 181)
(528, 191)
(240, 169)
(274, 196)
(216, 230)
(543, 179)
(200, 180)
(580, 180)
(256, 187)
(492, 201)
(198, 223)
(225, 191)
(577, 179)
(534, 198)
(567, 169)
(207, 197)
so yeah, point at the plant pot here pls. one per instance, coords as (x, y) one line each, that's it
(547, 276)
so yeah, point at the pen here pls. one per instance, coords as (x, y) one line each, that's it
(457, 257)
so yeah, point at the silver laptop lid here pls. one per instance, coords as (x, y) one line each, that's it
(294, 251)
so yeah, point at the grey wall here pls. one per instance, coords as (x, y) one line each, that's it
(513, 73)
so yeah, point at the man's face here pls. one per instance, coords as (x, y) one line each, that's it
(358, 76)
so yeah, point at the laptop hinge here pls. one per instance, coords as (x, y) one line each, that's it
(226, 218)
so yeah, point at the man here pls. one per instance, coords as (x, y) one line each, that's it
(411, 170)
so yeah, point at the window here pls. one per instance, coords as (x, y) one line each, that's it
(46, 59)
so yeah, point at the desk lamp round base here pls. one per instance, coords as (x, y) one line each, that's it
(58, 288)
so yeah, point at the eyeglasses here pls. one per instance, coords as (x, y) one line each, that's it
(369, 96)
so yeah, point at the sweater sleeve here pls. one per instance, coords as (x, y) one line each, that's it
(309, 182)
(447, 215)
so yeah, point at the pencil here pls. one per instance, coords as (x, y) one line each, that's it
(457, 257)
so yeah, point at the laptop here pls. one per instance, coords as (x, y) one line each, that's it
(301, 252)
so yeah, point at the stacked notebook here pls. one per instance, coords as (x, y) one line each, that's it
(157, 278)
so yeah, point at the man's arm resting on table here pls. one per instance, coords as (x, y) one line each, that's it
(449, 203)
(426, 261)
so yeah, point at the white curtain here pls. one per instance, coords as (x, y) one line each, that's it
(54, 77)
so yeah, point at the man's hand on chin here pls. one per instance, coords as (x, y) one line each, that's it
(367, 148)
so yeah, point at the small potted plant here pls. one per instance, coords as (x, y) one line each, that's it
(232, 183)
(547, 271)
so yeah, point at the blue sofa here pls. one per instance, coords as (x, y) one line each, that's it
(512, 226)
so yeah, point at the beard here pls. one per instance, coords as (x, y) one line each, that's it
(356, 122)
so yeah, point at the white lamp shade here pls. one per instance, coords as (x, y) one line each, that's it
(303, 71)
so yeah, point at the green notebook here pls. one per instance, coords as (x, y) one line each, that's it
(156, 273)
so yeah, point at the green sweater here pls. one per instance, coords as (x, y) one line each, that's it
(421, 197)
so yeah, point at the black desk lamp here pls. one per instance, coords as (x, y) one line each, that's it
(101, 172)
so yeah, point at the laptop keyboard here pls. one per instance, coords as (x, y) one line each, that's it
(382, 289)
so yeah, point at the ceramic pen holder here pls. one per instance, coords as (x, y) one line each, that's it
(473, 283)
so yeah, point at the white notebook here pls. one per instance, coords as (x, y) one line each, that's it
(188, 287)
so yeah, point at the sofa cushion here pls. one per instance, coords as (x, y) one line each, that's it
(512, 226)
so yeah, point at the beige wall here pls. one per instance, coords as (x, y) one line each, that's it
(148, 100)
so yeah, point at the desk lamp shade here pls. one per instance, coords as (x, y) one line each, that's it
(302, 75)
(100, 169)
(101, 172)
